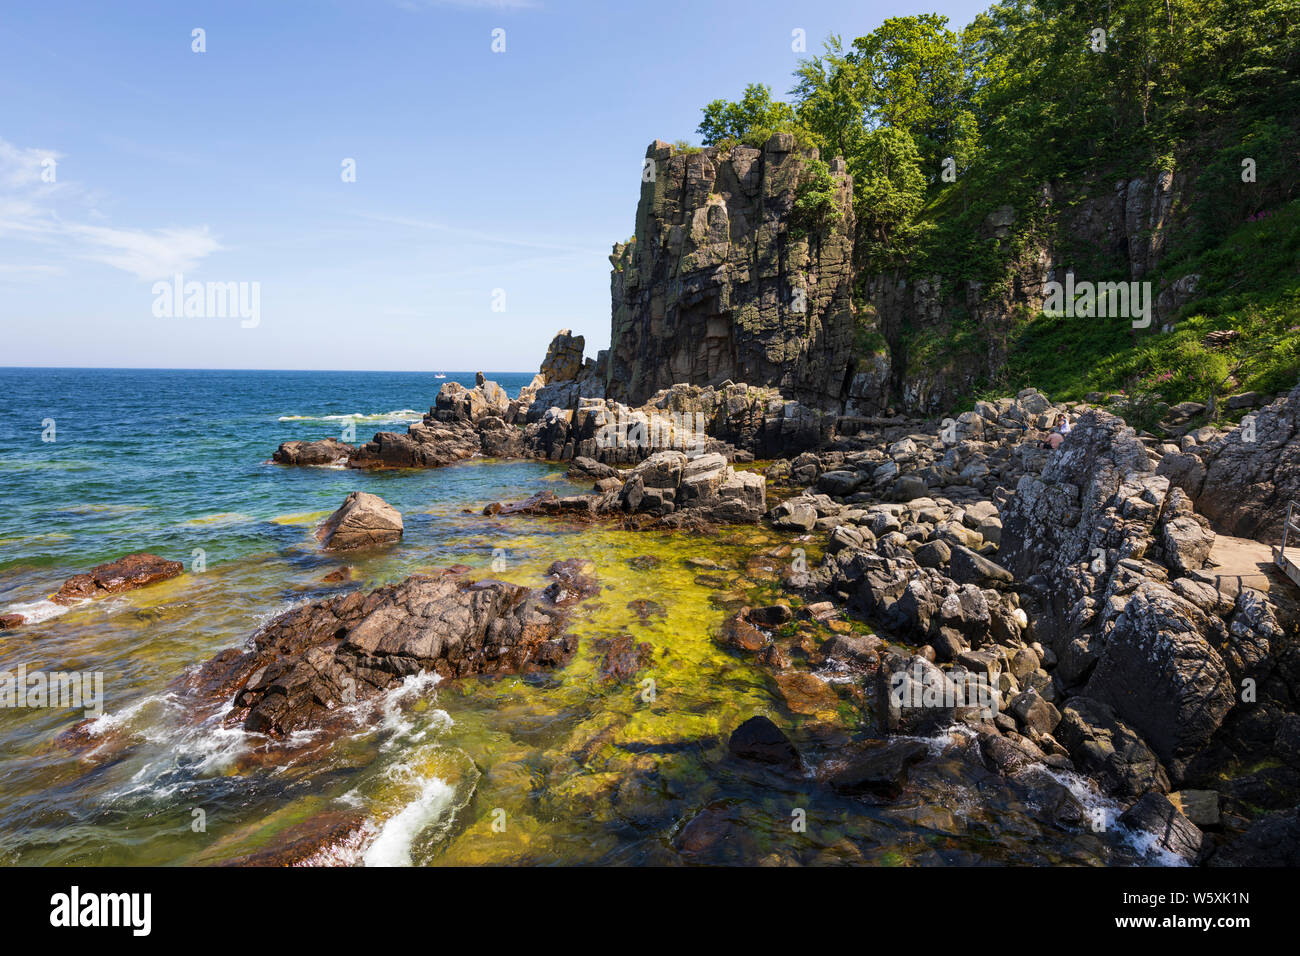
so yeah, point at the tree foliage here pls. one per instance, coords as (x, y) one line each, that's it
(751, 120)
(1035, 92)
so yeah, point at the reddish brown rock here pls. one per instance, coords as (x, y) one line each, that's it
(740, 633)
(326, 838)
(312, 661)
(623, 658)
(124, 574)
(806, 693)
(8, 621)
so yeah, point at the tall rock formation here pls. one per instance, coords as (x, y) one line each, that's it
(720, 281)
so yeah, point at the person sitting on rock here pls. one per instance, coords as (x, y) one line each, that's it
(1058, 433)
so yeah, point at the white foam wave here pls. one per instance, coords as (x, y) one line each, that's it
(181, 751)
(118, 719)
(397, 415)
(392, 845)
(1146, 844)
(36, 612)
(389, 713)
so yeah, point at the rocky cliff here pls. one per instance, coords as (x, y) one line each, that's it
(721, 282)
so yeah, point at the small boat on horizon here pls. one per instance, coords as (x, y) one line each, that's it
(439, 375)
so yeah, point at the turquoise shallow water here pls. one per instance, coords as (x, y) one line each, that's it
(145, 460)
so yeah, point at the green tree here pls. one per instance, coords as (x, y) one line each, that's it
(753, 119)
(918, 81)
(890, 191)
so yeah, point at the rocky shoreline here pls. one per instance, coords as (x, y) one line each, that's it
(1068, 608)
(1078, 587)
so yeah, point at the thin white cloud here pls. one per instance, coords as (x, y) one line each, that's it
(30, 212)
(486, 237)
(22, 167)
(146, 255)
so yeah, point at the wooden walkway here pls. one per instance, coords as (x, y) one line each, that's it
(1251, 562)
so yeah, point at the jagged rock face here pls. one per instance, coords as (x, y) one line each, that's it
(1110, 750)
(312, 661)
(426, 444)
(455, 402)
(1244, 481)
(685, 417)
(462, 423)
(563, 362)
(715, 286)
(1098, 537)
(1067, 513)
(1159, 669)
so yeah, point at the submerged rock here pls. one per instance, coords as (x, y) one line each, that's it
(623, 658)
(124, 574)
(880, 769)
(760, 740)
(326, 838)
(361, 521)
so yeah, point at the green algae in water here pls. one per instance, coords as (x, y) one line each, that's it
(564, 767)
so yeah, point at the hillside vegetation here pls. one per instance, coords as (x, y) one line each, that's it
(941, 127)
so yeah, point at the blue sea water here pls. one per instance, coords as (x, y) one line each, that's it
(165, 460)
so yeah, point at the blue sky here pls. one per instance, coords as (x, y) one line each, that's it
(475, 171)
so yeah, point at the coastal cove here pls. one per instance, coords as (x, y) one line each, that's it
(933, 500)
(581, 769)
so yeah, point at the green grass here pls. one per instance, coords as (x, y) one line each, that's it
(1250, 282)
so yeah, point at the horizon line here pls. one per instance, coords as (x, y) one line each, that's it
(165, 368)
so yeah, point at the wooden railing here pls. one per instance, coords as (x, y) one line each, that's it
(1292, 524)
